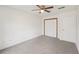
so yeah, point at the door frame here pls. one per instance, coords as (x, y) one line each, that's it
(56, 25)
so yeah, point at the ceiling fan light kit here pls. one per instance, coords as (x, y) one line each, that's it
(42, 11)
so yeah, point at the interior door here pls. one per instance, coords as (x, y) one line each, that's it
(69, 27)
(50, 28)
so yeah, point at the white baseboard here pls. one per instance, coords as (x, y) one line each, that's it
(17, 42)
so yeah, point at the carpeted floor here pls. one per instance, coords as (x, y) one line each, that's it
(42, 45)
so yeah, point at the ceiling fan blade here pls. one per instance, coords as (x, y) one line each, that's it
(41, 6)
(49, 7)
(38, 6)
(46, 10)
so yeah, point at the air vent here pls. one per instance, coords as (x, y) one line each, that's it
(61, 7)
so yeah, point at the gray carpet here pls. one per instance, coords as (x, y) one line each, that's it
(42, 45)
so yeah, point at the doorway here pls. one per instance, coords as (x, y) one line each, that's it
(51, 27)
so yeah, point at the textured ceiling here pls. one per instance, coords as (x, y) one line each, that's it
(29, 8)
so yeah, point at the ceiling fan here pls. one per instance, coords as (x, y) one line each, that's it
(43, 8)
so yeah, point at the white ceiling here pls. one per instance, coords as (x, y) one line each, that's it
(29, 8)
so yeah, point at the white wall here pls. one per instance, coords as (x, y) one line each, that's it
(77, 24)
(17, 26)
(67, 24)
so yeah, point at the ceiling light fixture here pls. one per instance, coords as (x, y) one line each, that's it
(42, 11)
